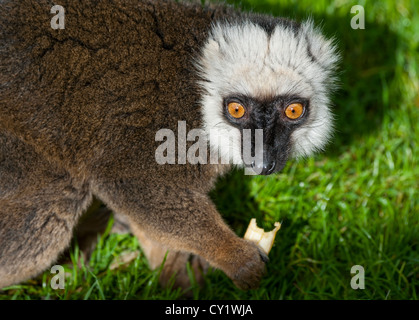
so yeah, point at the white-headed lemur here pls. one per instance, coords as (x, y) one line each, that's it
(80, 108)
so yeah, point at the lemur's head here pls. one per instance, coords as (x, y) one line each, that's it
(270, 74)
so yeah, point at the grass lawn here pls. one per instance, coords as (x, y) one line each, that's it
(356, 204)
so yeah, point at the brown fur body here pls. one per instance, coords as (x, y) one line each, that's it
(79, 110)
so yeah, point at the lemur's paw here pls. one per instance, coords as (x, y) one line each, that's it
(175, 266)
(249, 268)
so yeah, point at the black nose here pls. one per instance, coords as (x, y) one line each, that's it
(265, 168)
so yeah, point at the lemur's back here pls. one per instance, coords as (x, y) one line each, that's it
(117, 66)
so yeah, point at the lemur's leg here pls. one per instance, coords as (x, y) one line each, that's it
(94, 222)
(175, 263)
(185, 220)
(39, 206)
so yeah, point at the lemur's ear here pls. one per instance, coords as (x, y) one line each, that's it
(322, 50)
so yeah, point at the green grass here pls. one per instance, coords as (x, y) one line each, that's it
(356, 204)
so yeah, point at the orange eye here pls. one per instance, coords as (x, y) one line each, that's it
(294, 111)
(236, 110)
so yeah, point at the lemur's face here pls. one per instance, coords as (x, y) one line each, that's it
(271, 75)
